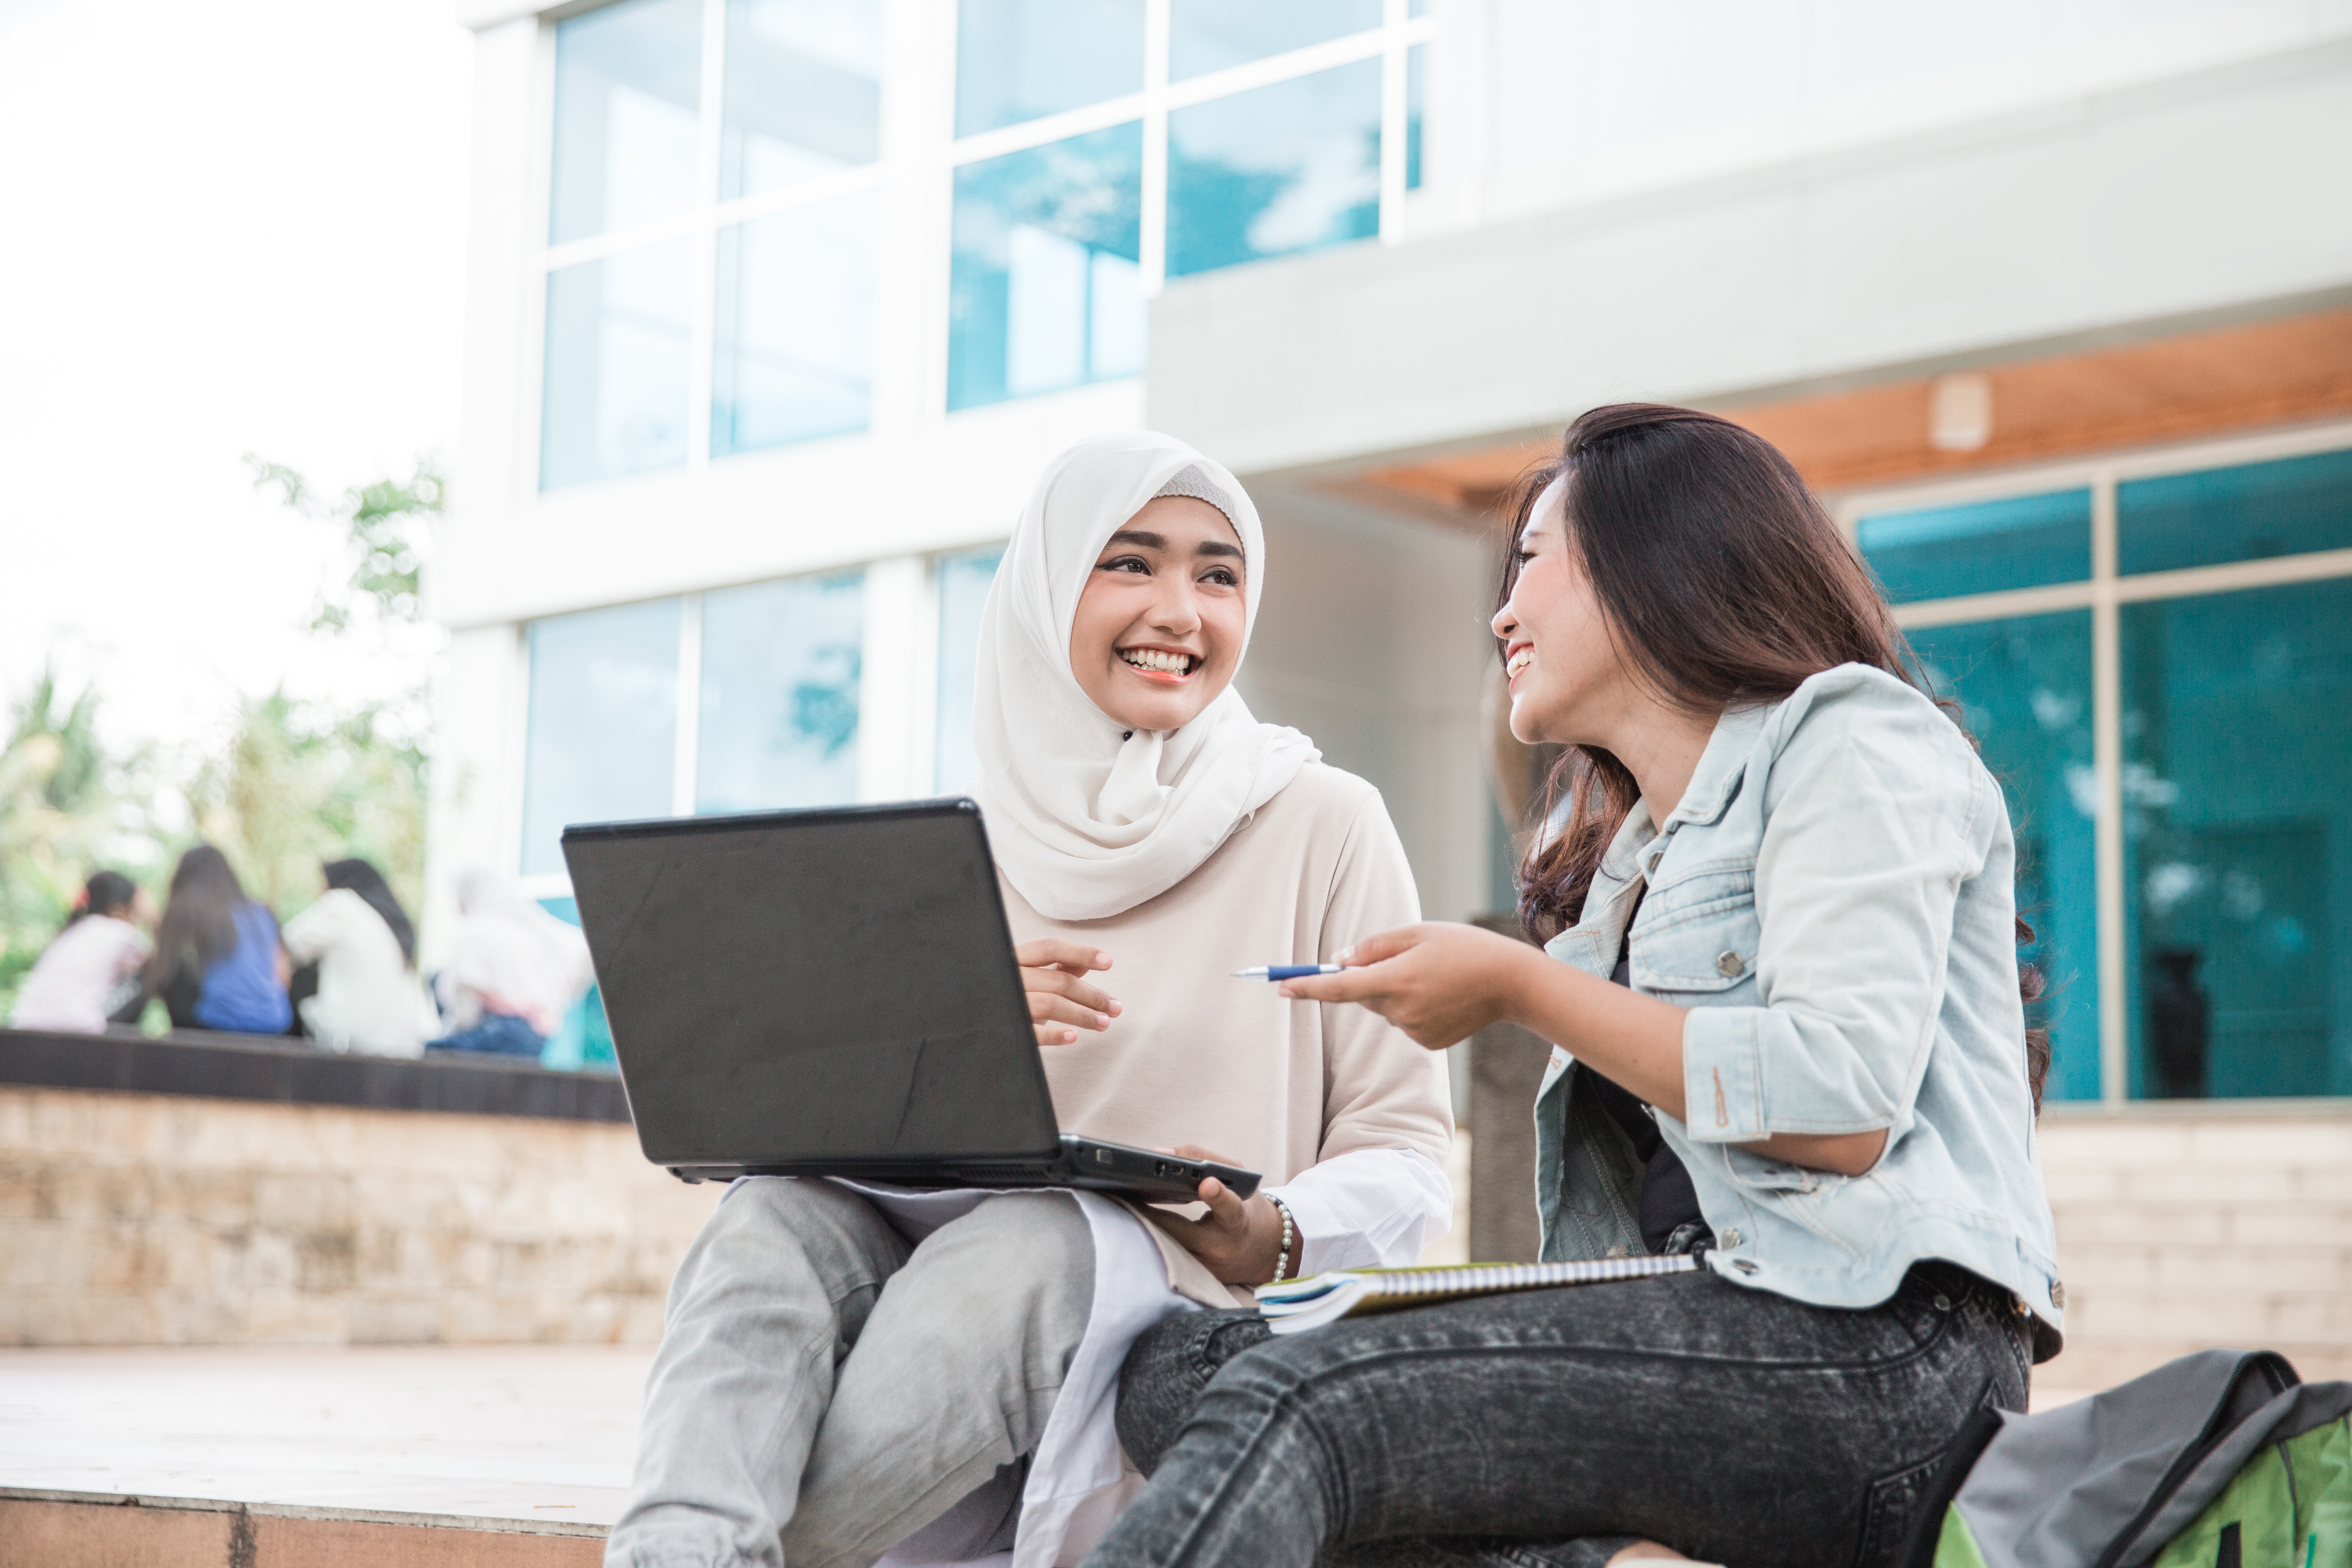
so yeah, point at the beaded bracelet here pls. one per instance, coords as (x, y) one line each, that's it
(1289, 1234)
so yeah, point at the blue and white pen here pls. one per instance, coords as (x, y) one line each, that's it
(1285, 970)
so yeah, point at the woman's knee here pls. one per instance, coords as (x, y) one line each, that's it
(1166, 1371)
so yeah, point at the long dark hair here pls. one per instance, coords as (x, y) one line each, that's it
(199, 924)
(104, 894)
(1721, 580)
(361, 877)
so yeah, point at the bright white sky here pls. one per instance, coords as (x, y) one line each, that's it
(225, 228)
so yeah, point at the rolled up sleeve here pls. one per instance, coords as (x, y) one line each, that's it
(1876, 811)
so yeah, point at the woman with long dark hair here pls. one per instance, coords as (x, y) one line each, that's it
(217, 963)
(90, 970)
(367, 998)
(1780, 975)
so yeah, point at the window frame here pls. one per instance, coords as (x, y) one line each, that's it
(2104, 594)
(702, 222)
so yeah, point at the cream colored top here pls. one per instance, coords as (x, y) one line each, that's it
(1197, 1056)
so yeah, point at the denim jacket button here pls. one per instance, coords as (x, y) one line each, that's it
(1728, 964)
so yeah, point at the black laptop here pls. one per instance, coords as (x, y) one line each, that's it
(833, 993)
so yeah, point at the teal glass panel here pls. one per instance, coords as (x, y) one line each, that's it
(1207, 36)
(1020, 59)
(792, 351)
(1045, 293)
(601, 740)
(2237, 723)
(584, 1041)
(803, 92)
(620, 345)
(628, 95)
(779, 685)
(963, 583)
(2285, 507)
(1416, 77)
(1282, 169)
(1984, 547)
(2024, 689)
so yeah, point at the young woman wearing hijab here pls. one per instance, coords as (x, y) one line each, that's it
(1782, 979)
(847, 1371)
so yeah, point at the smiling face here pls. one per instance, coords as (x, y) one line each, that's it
(1158, 633)
(1568, 684)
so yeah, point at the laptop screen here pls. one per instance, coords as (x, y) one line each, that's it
(803, 985)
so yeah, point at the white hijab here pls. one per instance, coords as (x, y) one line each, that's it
(1086, 818)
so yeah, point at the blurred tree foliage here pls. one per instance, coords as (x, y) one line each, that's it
(294, 784)
(67, 806)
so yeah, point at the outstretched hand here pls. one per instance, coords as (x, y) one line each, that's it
(1060, 1001)
(1240, 1240)
(1439, 983)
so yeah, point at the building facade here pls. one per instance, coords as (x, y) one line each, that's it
(778, 306)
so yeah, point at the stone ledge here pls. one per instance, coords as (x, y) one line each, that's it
(249, 1066)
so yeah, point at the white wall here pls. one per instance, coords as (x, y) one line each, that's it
(1371, 638)
(2112, 215)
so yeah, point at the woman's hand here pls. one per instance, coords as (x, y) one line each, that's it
(1239, 1239)
(1058, 998)
(1441, 984)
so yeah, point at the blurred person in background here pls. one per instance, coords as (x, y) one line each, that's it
(90, 971)
(513, 970)
(366, 998)
(217, 963)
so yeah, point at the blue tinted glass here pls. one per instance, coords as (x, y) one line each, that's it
(2022, 541)
(1018, 60)
(2285, 507)
(620, 340)
(1205, 35)
(1045, 292)
(779, 674)
(792, 351)
(601, 742)
(1286, 168)
(963, 583)
(803, 91)
(1416, 76)
(2024, 688)
(628, 87)
(2237, 722)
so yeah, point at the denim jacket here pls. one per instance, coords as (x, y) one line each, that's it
(1835, 901)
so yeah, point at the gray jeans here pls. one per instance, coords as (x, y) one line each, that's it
(824, 1391)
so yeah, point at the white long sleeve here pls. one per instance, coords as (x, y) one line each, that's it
(1372, 1208)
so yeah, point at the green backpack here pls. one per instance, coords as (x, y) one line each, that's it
(2222, 1459)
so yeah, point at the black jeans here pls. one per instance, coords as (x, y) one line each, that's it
(1550, 1428)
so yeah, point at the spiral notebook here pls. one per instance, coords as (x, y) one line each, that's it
(1294, 1306)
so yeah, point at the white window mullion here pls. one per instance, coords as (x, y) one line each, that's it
(1152, 263)
(2107, 757)
(705, 250)
(1392, 123)
(688, 750)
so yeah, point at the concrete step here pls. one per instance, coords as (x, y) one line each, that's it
(97, 1529)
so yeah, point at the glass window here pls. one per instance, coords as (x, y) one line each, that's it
(2020, 542)
(1281, 169)
(963, 583)
(2024, 689)
(1205, 35)
(601, 740)
(2237, 723)
(1046, 291)
(803, 91)
(793, 355)
(2245, 514)
(1416, 79)
(628, 89)
(779, 673)
(1019, 59)
(619, 344)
